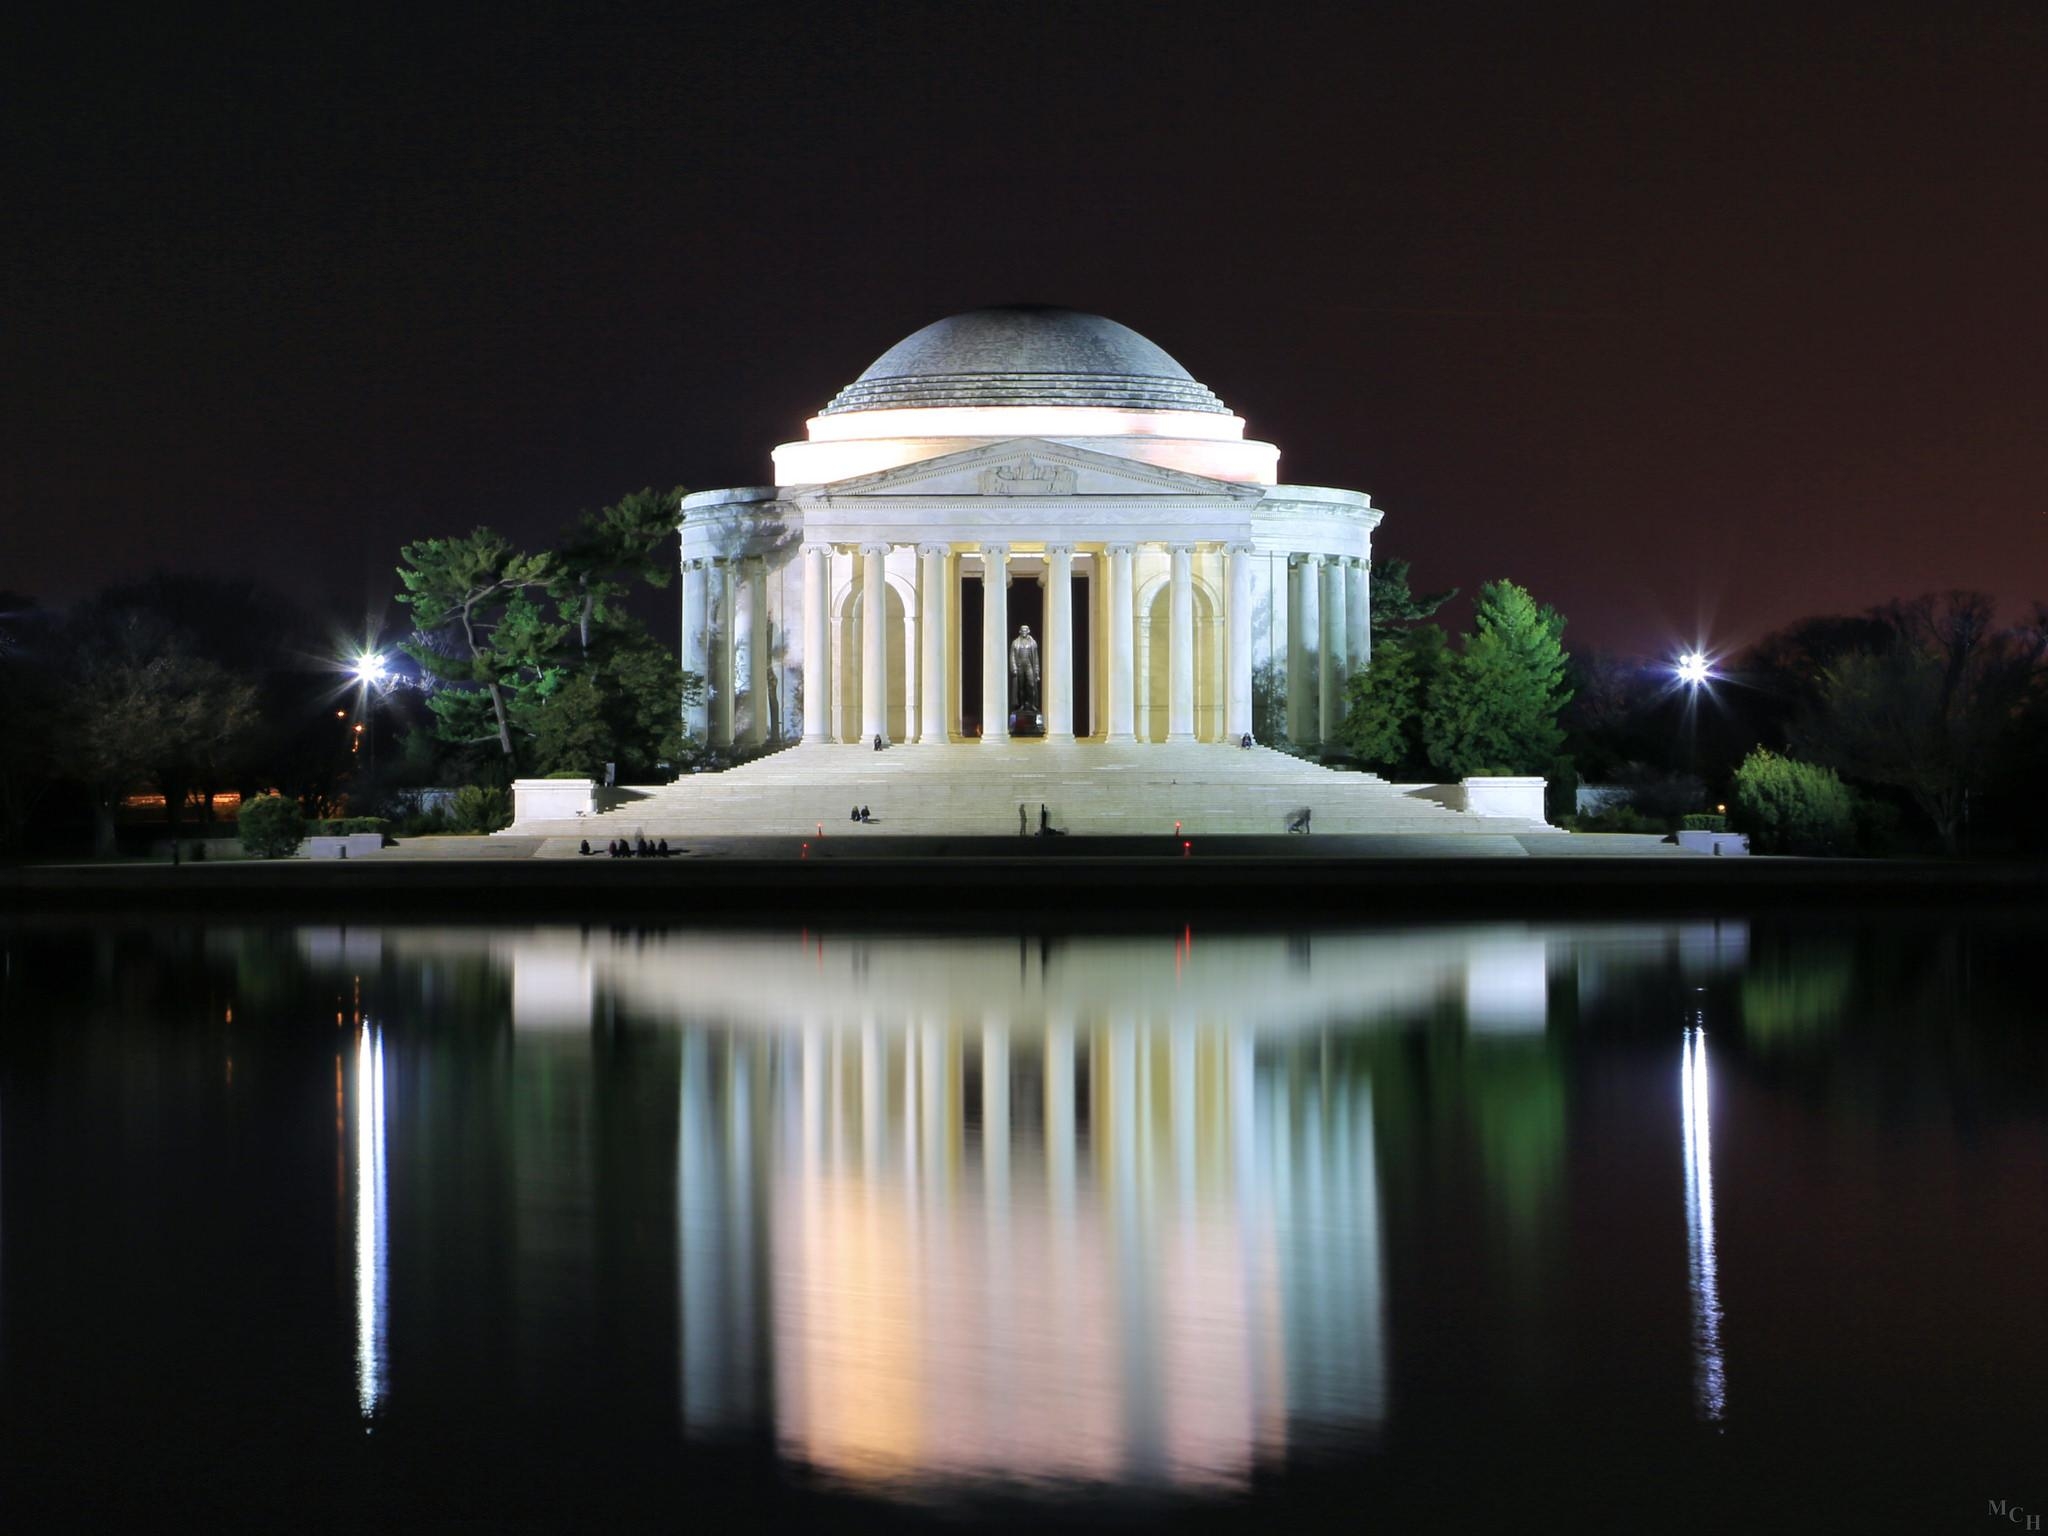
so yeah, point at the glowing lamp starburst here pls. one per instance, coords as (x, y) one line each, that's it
(1694, 669)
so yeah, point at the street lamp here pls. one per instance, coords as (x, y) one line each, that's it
(1693, 669)
(370, 668)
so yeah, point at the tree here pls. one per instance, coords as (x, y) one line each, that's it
(1394, 608)
(622, 706)
(1383, 718)
(143, 705)
(610, 548)
(481, 633)
(1495, 706)
(1934, 707)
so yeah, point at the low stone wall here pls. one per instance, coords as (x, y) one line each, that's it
(1722, 843)
(552, 799)
(350, 845)
(1504, 797)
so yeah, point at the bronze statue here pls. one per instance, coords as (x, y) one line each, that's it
(1024, 670)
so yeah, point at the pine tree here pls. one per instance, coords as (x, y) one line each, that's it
(1495, 707)
(1393, 606)
(481, 632)
(1383, 719)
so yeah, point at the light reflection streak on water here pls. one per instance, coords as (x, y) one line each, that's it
(371, 1277)
(1709, 1374)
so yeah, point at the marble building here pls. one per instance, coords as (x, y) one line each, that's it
(1019, 468)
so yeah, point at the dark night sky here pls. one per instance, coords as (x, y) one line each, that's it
(1666, 313)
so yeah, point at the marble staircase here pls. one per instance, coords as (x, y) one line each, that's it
(974, 789)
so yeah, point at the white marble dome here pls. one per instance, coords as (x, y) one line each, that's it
(1025, 370)
(1025, 354)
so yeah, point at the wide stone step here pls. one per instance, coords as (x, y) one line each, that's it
(974, 789)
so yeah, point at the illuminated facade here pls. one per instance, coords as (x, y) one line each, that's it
(1011, 467)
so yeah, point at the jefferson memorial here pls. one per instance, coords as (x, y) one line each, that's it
(1022, 468)
(1031, 551)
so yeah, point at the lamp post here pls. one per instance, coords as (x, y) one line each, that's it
(1695, 670)
(372, 673)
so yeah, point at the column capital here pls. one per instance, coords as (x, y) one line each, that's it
(1306, 561)
(875, 546)
(817, 547)
(1060, 549)
(1238, 547)
(995, 551)
(1121, 547)
(1181, 547)
(928, 549)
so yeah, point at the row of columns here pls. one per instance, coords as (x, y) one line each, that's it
(1326, 639)
(1057, 648)
(723, 599)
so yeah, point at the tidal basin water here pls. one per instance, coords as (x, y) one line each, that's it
(1728, 1223)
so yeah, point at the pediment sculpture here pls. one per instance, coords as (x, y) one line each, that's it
(1028, 477)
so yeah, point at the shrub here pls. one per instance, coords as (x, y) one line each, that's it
(1703, 823)
(1561, 792)
(1621, 818)
(479, 808)
(567, 773)
(271, 826)
(341, 826)
(1787, 806)
(423, 823)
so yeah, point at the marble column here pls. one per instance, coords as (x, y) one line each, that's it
(995, 642)
(1180, 701)
(1237, 713)
(1358, 611)
(1121, 715)
(696, 617)
(720, 679)
(1297, 653)
(874, 643)
(1310, 731)
(757, 632)
(1333, 664)
(817, 642)
(1058, 661)
(931, 603)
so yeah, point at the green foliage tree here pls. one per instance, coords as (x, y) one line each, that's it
(271, 826)
(1933, 709)
(1393, 605)
(608, 550)
(1495, 706)
(483, 635)
(1787, 806)
(622, 706)
(1383, 719)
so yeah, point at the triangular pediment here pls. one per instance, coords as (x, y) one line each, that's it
(1030, 467)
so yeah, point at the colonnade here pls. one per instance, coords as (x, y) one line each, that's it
(1327, 638)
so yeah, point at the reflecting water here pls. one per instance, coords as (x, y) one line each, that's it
(540, 1223)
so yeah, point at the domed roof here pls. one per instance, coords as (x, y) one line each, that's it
(1025, 354)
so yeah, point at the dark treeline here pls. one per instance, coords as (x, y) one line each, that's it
(1918, 726)
(192, 688)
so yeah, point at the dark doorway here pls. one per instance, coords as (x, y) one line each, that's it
(970, 657)
(1027, 606)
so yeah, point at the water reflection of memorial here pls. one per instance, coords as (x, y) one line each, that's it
(1086, 1210)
